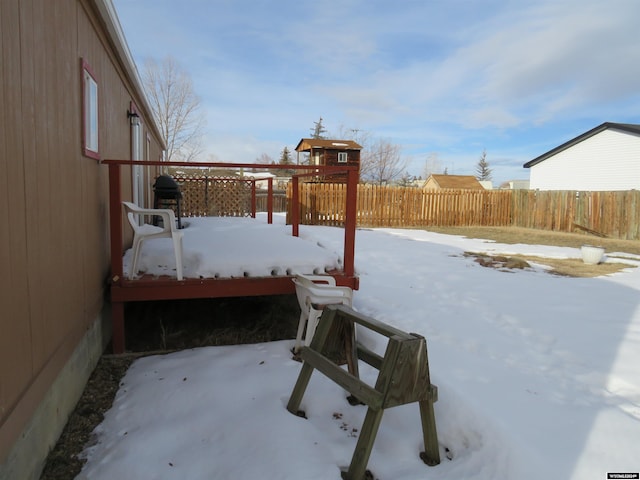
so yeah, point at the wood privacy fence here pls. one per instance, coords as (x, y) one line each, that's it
(279, 201)
(612, 214)
(384, 206)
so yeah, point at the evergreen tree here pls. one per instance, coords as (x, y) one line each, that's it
(318, 130)
(483, 172)
(285, 159)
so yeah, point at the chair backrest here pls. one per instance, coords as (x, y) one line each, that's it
(168, 217)
(309, 290)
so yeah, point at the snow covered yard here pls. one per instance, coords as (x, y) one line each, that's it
(538, 377)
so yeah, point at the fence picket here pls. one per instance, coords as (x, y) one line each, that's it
(614, 214)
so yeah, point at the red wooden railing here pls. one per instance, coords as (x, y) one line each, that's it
(124, 290)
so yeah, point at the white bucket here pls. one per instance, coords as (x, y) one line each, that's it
(592, 255)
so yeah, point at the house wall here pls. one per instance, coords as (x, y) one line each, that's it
(607, 161)
(431, 184)
(54, 246)
(331, 158)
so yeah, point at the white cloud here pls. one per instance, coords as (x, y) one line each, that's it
(434, 76)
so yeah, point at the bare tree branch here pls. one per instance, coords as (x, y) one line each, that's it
(382, 163)
(176, 108)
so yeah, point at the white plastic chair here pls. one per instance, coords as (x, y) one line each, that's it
(314, 292)
(147, 231)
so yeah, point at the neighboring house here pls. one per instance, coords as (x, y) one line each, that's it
(69, 96)
(515, 185)
(605, 158)
(330, 152)
(441, 181)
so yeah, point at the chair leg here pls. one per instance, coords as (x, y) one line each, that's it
(301, 325)
(177, 247)
(137, 242)
(312, 324)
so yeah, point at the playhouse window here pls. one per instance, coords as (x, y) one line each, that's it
(342, 157)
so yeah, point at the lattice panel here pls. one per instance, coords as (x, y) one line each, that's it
(229, 197)
(215, 196)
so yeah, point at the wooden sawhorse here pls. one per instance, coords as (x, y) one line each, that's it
(403, 378)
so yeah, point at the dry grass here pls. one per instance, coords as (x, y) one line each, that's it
(571, 266)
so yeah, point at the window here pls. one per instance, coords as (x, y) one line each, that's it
(342, 157)
(89, 112)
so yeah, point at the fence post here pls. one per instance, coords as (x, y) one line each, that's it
(270, 200)
(295, 207)
(351, 212)
(253, 198)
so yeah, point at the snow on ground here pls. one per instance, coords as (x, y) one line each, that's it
(538, 377)
(252, 249)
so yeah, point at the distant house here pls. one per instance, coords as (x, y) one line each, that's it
(439, 182)
(515, 185)
(69, 96)
(605, 158)
(330, 152)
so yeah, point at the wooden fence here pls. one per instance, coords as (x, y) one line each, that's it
(611, 214)
(279, 200)
(383, 206)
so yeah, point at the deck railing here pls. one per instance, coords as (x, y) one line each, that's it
(348, 173)
(124, 290)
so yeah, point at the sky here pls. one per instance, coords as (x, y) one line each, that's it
(443, 79)
(537, 374)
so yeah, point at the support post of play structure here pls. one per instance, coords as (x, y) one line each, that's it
(403, 378)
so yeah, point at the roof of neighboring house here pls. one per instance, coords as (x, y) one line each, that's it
(306, 144)
(624, 127)
(456, 181)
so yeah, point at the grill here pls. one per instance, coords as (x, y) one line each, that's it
(166, 193)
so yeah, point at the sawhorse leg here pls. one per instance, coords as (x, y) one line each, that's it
(361, 454)
(431, 454)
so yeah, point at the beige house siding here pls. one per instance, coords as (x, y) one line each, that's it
(53, 199)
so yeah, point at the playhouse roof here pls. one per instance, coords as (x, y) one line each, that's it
(306, 144)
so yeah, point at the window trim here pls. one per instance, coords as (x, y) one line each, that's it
(90, 113)
(343, 155)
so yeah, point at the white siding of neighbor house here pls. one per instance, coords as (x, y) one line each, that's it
(607, 161)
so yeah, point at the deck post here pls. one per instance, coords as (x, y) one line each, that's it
(253, 199)
(270, 200)
(115, 222)
(295, 207)
(350, 222)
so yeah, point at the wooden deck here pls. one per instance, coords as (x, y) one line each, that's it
(167, 288)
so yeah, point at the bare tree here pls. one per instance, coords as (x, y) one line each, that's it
(432, 165)
(381, 162)
(176, 108)
(264, 159)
